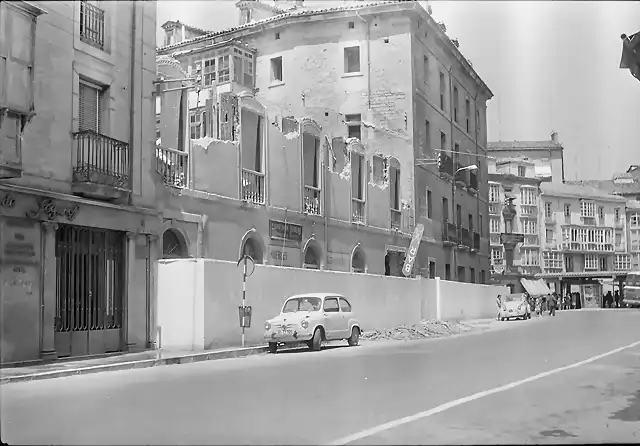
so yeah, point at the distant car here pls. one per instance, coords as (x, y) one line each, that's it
(514, 306)
(312, 319)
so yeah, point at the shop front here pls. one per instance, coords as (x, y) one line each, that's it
(76, 276)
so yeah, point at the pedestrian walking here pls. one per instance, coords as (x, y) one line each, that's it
(616, 297)
(552, 302)
(499, 304)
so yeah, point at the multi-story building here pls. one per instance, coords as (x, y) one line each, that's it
(77, 187)
(514, 203)
(631, 54)
(547, 156)
(633, 225)
(584, 239)
(313, 137)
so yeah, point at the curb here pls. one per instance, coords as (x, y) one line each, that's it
(141, 364)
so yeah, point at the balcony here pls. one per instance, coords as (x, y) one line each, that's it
(495, 208)
(252, 186)
(172, 165)
(312, 200)
(357, 211)
(465, 240)
(446, 165)
(550, 219)
(587, 246)
(396, 219)
(550, 243)
(473, 180)
(529, 211)
(531, 240)
(102, 166)
(494, 239)
(91, 25)
(449, 233)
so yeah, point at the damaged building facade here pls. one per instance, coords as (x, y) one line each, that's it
(319, 138)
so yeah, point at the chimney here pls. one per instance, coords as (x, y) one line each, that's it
(554, 137)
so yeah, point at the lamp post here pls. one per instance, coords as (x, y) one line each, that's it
(453, 208)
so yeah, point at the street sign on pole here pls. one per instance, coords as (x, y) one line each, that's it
(412, 252)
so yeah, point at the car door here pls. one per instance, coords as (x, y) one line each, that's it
(347, 315)
(332, 317)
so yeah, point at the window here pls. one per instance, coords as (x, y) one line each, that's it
(494, 225)
(223, 68)
(276, 69)
(357, 176)
(529, 257)
(548, 211)
(601, 212)
(157, 127)
(331, 305)
(528, 196)
(467, 113)
(552, 259)
(567, 211)
(496, 256)
(603, 263)
(618, 239)
(478, 120)
(243, 67)
(480, 223)
(91, 25)
(590, 262)
(429, 204)
(394, 180)
(550, 235)
(622, 262)
(471, 222)
(494, 193)
(568, 263)
(483, 276)
(90, 107)
(522, 171)
(351, 25)
(447, 271)
(445, 209)
(455, 104)
(196, 124)
(442, 87)
(616, 213)
(472, 275)
(311, 173)
(529, 226)
(427, 138)
(277, 36)
(634, 220)
(209, 71)
(443, 142)
(425, 69)
(354, 126)
(344, 305)
(587, 209)
(432, 269)
(352, 59)
(458, 215)
(462, 274)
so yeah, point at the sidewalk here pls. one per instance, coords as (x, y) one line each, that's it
(124, 361)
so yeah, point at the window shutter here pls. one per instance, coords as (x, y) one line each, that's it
(89, 108)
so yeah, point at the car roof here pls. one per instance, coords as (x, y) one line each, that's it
(320, 295)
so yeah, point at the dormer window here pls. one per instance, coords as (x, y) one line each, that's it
(246, 16)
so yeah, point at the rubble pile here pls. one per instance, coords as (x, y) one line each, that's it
(424, 329)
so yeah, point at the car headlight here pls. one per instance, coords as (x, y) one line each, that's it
(267, 326)
(304, 323)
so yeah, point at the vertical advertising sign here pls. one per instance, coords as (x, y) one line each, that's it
(412, 252)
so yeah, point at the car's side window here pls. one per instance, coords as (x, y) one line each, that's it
(331, 305)
(344, 305)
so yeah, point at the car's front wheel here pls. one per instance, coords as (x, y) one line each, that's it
(355, 337)
(316, 340)
(273, 347)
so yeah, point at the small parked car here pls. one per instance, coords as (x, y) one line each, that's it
(514, 306)
(311, 319)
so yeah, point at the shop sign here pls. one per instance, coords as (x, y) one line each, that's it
(284, 256)
(48, 209)
(285, 230)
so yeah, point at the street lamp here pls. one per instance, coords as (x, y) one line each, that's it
(453, 210)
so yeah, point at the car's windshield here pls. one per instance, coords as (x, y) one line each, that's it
(512, 297)
(304, 303)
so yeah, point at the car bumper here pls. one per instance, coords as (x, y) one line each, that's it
(295, 336)
(509, 314)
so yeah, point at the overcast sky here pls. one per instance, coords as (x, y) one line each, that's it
(551, 66)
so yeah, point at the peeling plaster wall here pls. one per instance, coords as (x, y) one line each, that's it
(215, 166)
(285, 176)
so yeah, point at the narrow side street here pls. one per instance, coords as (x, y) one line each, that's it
(333, 396)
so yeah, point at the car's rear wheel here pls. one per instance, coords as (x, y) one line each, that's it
(355, 337)
(273, 347)
(316, 340)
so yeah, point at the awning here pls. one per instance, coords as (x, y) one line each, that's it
(535, 287)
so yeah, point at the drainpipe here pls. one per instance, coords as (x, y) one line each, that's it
(453, 171)
(475, 110)
(131, 99)
(368, 59)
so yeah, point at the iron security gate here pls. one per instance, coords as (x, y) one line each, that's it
(90, 286)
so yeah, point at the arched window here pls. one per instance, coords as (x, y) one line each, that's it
(312, 257)
(173, 245)
(358, 261)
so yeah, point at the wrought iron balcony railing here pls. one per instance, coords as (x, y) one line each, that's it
(449, 232)
(311, 200)
(101, 160)
(357, 211)
(253, 186)
(396, 219)
(91, 25)
(172, 165)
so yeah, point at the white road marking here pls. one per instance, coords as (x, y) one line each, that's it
(427, 413)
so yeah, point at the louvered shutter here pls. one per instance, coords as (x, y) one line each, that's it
(89, 107)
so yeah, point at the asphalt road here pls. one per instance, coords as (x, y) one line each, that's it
(467, 389)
